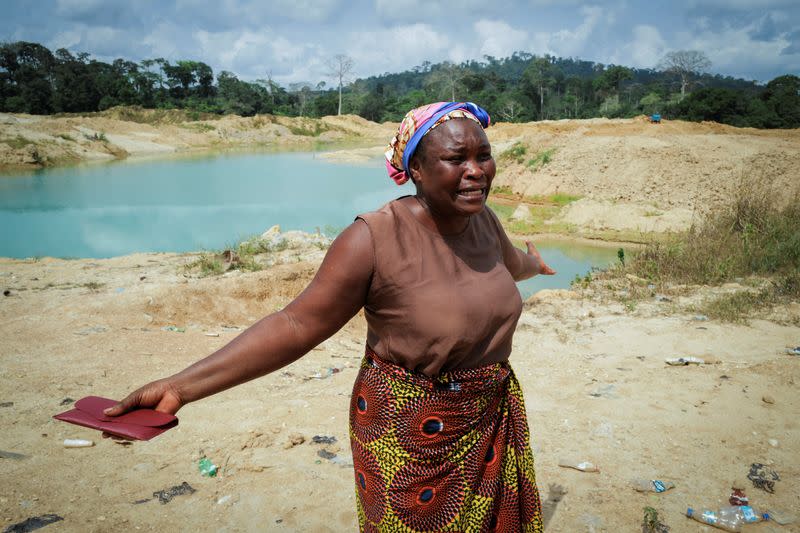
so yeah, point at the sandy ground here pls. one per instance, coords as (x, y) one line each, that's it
(593, 371)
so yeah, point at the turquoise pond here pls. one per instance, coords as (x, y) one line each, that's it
(207, 202)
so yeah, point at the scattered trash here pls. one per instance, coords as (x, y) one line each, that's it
(738, 497)
(662, 298)
(93, 329)
(119, 290)
(323, 439)
(651, 523)
(7, 404)
(728, 518)
(793, 351)
(294, 440)
(122, 442)
(78, 443)
(325, 374)
(230, 328)
(173, 328)
(6, 292)
(768, 399)
(700, 318)
(142, 278)
(206, 467)
(606, 391)
(783, 518)
(343, 461)
(763, 478)
(34, 523)
(325, 454)
(67, 401)
(225, 499)
(166, 495)
(12, 455)
(773, 442)
(144, 500)
(684, 361)
(583, 466)
(652, 485)
(211, 334)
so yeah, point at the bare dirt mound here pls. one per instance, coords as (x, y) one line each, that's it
(673, 164)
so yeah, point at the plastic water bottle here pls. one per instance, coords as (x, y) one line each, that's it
(652, 485)
(746, 513)
(728, 521)
(730, 518)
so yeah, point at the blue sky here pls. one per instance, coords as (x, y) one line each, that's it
(292, 39)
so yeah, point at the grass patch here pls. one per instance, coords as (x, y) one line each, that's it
(240, 256)
(516, 153)
(66, 137)
(97, 136)
(749, 237)
(502, 189)
(202, 127)
(17, 142)
(740, 305)
(559, 199)
(541, 159)
(308, 130)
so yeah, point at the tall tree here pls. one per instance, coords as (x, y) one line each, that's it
(540, 75)
(686, 64)
(340, 67)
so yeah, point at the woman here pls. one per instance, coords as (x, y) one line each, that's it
(437, 422)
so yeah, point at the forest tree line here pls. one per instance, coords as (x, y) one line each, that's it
(520, 88)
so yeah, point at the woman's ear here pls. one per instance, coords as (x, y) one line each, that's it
(414, 170)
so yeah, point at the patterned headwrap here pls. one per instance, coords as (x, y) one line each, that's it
(419, 122)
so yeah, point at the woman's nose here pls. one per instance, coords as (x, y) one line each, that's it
(473, 168)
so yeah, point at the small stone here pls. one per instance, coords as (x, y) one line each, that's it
(773, 443)
(768, 399)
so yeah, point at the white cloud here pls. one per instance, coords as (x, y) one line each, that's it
(499, 39)
(735, 52)
(646, 49)
(573, 42)
(397, 48)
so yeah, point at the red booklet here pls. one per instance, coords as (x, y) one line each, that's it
(141, 424)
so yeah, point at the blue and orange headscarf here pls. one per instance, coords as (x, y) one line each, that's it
(419, 122)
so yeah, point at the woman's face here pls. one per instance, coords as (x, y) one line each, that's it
(455, 170)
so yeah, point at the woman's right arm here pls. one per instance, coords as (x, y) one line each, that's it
(333, 297)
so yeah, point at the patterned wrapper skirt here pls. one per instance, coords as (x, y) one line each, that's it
(449, 453)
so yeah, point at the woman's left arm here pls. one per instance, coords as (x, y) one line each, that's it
(520, 264)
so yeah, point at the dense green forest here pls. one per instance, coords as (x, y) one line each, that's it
(520, 88)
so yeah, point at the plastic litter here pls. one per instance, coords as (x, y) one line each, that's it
(12, 455)
(700, 318)
(33, 523)
(323, 439)
(6, 404)
(166, 495)
(738, 497)
(78, 443)
(583, 466)
(730, 518)
(763, 477)
(684, 361)
(174, 328)
(652, 485)
(793, 351)
(783, 518)
(206, 467)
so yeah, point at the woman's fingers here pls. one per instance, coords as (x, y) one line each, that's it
(542, 267)
(159, 395)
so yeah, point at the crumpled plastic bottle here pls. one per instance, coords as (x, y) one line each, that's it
(206, 467)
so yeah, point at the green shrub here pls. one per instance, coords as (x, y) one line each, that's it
(515, 153)
(541, 158)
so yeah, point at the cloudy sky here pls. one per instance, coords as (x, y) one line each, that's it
(752, 39)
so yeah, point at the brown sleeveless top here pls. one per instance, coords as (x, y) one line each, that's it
(435, 302)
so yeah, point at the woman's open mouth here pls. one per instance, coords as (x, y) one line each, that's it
(472, 193)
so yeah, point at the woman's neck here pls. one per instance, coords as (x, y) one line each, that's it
(445, 225)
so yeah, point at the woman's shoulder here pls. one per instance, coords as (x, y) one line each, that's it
(388, 213)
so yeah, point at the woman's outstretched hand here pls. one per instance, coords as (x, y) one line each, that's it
(541, 266)
(160, 395)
